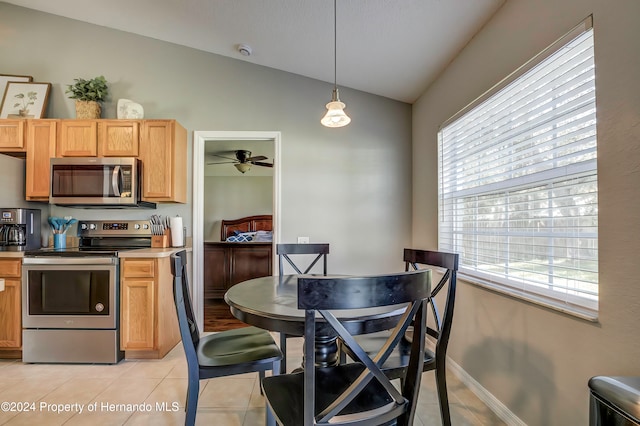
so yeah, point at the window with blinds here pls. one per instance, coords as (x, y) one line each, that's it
(518, 187)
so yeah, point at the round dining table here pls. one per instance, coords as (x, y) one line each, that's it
(271, 303)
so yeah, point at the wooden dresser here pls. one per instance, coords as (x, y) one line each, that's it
(226, 264)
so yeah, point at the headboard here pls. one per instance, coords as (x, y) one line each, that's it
(246, 224)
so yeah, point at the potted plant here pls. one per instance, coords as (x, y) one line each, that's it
(88, 95)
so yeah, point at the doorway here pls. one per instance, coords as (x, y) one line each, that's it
(200, 141)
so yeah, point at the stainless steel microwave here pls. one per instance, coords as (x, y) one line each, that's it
(97, 182)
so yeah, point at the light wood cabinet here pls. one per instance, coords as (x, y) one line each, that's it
(12, 135)
(148, 322)
(77, 138)
(163, 151)
(41, 147)
(10, 309)
(98, 138)
(118, 138)
(161, 145)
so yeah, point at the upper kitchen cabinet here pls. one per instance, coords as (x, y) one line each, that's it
(163, 151)
(102, 138)
(118, 138)
(77, 138)
(41, 147)
(12, 136)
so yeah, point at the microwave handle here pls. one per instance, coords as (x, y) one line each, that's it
(115, 181)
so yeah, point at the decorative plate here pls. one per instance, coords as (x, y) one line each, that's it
(129, 109)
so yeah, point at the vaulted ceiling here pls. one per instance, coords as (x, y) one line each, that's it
(391, 48)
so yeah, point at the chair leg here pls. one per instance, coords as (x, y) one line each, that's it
(443, 398)
(260, 378)
(283, 348)
(270, 419)
(193, 388)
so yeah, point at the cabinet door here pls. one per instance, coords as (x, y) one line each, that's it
(77, 138)
(12, 135)
(10, 315)
(118, 138)
(137, 313)
(163, 151)
(250, 262)
(216, 272)
(41, 147)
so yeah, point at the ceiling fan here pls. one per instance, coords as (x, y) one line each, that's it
(244, 160)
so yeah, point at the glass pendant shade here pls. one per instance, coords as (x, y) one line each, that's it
(242, 167)
(335, 116)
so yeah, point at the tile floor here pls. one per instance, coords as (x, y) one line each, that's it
(153, 392)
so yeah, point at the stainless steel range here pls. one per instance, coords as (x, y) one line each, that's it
(70, 303)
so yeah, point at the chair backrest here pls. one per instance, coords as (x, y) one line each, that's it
(189, 331)
(449, 261)
(285, 250)
(322, 294)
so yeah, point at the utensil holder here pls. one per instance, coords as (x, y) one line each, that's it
(59, 241)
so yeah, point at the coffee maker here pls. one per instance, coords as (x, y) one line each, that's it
(19, 229)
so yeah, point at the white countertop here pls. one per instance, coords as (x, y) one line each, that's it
(152, 252)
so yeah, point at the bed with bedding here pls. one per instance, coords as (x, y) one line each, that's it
(251, 228)
(243, 252)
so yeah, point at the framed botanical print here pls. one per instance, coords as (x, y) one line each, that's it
(25, 100)
(5, 78)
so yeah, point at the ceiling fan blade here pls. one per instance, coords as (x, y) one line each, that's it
(224, 162)
(256, 158)
(226, 158)
(260, 163)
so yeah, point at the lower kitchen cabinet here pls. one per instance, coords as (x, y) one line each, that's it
(148, 322)
(11, 309)
(226, 264)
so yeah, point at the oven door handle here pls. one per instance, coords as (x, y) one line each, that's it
(55, 260)
(115, 181)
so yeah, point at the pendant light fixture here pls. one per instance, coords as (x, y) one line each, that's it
(335, 116)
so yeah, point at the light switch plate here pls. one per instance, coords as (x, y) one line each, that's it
(303, 240)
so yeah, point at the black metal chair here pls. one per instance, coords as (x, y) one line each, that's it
(395, 366)
(321, 250)
(239, 351)
(359, 392)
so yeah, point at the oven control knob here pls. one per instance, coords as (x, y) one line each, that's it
(99, 307)
(92, 226)
(83, 226)
(136, 226)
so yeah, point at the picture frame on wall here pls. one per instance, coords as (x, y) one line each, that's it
(25, 100)
(5, 78)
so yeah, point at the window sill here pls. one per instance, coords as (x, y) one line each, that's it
(573, 311)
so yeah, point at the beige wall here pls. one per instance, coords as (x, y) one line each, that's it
(231, 197)
(534, 360)
(352, 186)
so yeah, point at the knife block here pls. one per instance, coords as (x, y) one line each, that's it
(161, 241)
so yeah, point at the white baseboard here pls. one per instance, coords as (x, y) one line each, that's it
(485, 396)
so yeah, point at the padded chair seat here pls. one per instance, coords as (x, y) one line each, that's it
(286, 392)
(242, 345)
(622, 392)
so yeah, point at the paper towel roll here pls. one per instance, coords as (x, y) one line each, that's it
(175, 223)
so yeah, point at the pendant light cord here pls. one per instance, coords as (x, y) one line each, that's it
(335, 46)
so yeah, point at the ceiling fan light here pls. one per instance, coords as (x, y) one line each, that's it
(242, 167)
(335, 116)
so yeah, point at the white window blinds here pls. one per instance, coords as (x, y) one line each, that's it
(518, 193)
